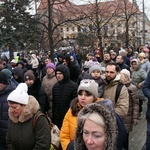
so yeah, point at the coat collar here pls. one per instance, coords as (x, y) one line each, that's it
(29, 110)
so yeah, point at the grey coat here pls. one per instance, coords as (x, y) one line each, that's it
(139, 76)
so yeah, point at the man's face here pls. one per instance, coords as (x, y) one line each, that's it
(1, 66)
(119, 59)
(106, 57)
(59, 76)
(111, 72)
(2, 86)
(47, 61)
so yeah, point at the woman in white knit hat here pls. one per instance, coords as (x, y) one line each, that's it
(133, 112)
(87, 94)
(21, 133)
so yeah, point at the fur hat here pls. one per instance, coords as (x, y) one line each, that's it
(19, 95)
(126, 72)
(29, 75)
(3, 78)
(95, 67)
(90, 86)
(50, 65)
(142, 55)
(8, 73)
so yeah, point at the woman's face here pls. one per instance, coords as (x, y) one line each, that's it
(16, 109)
(85, 98)
(134, 65)
(93, 135)
(49, 70)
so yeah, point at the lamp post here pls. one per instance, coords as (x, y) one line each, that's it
(143, 30)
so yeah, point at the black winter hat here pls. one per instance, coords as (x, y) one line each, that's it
(3, 78)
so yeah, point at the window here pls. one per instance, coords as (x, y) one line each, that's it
(72, 28)
(67, 29)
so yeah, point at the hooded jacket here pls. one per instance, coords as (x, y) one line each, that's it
(28, 138)
(110, 126)
(63, 93)
(122, 105)
(138, 76)
(4, 111)
(18, 71)
(133, 112)
(48, 82)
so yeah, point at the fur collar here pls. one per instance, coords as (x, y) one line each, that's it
(29, 110)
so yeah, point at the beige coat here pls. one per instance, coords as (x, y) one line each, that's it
(122, 105)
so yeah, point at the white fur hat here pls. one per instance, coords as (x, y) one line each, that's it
(19, 95)
(126, 72)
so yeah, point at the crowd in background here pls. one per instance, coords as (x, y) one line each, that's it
(66, 86)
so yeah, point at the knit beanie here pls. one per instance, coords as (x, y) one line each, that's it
(29, 75)
(8, 73)
(126, 72)
(95, 67)
(50, 65)
(90, 86)
(19, 95)
(3, 78)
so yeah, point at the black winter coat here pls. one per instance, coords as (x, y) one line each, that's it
(38, 92)
(4, 111)
(63, 93)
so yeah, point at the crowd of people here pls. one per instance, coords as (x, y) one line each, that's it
(94, 102)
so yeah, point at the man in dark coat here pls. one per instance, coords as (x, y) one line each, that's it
(5, 89)
(121, 63)
(63, 92)
(74, 68)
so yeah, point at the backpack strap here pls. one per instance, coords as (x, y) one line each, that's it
(37, 115)
(118, 90)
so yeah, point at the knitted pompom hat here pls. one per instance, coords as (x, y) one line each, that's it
(90, 86)
(50, 65)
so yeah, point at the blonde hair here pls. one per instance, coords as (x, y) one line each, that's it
(94, 117)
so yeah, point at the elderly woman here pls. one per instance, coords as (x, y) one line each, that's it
(21, 133)
(96, 128)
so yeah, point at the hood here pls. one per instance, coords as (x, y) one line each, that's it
(110, 126)
(18, 71)
(33, 56)
(9, 88)
(65, 71)
(29, 110)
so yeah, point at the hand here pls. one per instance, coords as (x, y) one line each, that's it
(135, 122)
(139, 85)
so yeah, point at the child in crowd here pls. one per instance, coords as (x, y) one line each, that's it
(95, 72)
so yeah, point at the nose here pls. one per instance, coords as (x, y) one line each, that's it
(82, 96)
(89, 140)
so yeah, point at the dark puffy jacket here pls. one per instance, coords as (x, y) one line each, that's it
(63, 93)
(38, 92)
(4, 111)
(18, 71)
(146, 91)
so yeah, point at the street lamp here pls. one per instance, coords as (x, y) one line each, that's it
(143, 30)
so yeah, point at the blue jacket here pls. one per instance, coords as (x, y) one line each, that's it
(4, 111)
(146, 91)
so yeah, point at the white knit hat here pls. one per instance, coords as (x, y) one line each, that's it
(126, 72)
(95, 67)
(19, 95)
(90, 86)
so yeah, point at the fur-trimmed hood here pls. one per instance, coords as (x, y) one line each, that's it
(110, 126)
(29, 110)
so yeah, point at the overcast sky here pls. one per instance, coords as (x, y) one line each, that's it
(140, 2)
